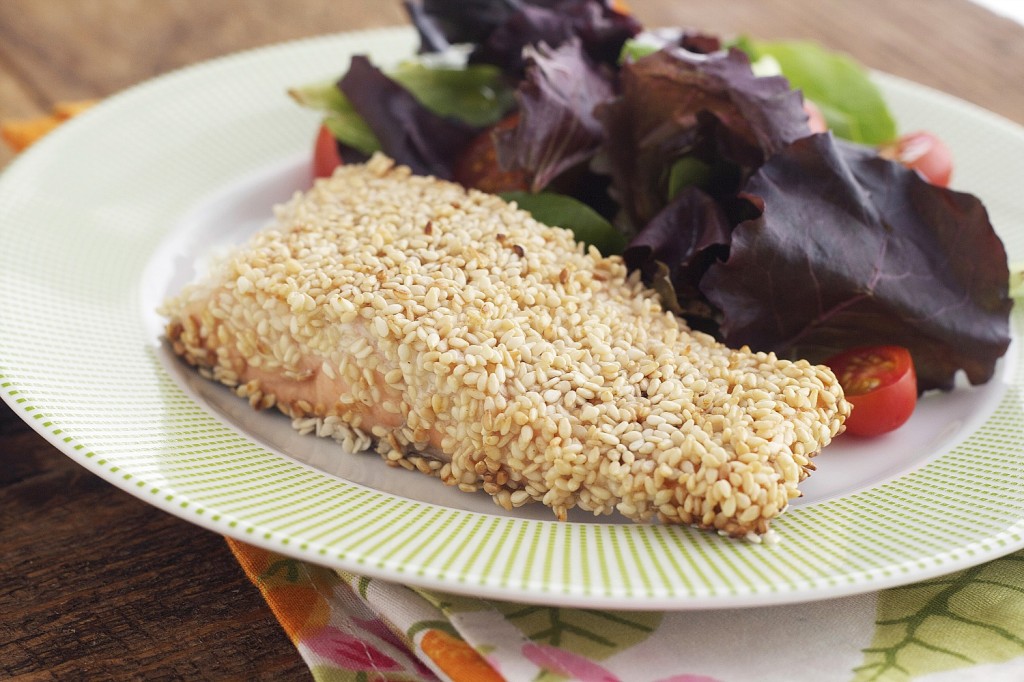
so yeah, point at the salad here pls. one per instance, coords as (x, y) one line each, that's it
(762, 188)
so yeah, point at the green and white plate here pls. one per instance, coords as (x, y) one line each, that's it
(103, 218)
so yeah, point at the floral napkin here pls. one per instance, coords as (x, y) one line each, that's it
(960, 627)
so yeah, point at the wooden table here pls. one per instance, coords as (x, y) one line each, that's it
(95, 584)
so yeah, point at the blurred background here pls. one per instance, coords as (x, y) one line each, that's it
(66, 50)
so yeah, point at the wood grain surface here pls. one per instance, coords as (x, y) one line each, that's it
(95, 584)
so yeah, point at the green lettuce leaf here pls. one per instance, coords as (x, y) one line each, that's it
(852, 105)
(637, 48)
(475, 95)
(562, 211)
(340, 117)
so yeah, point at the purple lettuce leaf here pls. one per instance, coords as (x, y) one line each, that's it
(531, 25)
(500, 29)
(701, 43)
(851, 249)
(556, 130)
(443, 23)
(676, 248)
(408, 132)
(675, 103)
(601, 27)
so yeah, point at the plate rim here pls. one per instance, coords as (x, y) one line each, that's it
(1007, 540)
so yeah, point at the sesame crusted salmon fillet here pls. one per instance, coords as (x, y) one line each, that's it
(454, 334)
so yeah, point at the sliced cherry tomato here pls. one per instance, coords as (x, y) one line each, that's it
(815, 119)
(880, 383)
(325, 153)
(477, 167)
(925, 153)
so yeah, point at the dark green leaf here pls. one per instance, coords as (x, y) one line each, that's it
(559, 210)
(687, 172)
(475, 94)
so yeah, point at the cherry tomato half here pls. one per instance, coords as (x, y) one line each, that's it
(923, 152)
(815, 119)
(880, 383)
(325, 153)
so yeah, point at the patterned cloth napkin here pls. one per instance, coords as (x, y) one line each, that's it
(960, 627)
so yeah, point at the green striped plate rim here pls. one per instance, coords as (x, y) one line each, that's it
(82, 212)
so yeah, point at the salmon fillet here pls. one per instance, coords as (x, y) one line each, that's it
(454, 334)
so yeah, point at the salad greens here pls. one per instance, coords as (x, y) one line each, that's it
(589, 226)
(557, 101)
(499, 30)
(848, 248)
(477, 94)
(683, 155)
(852, 104)
(406, 129)
(675, 105)
(340, 117)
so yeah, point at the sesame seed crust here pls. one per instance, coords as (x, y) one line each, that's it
(459, 337)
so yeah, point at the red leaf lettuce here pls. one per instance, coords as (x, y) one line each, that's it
(557, 130)
(675, 104)
(500, 29)
(408, 131)
(850, 249)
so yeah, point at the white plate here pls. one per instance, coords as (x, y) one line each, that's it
(103, 218)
